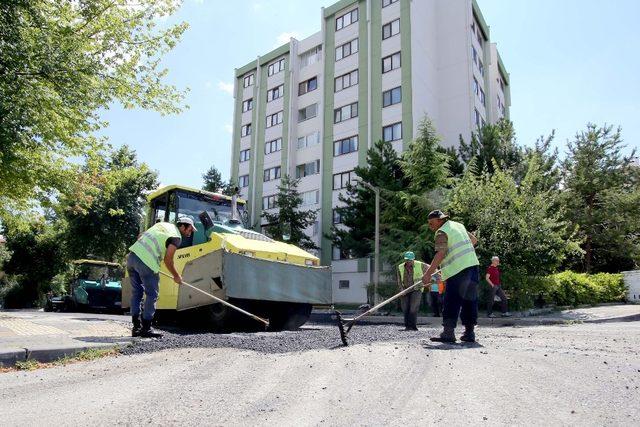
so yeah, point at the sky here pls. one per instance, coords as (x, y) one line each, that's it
(570, 62)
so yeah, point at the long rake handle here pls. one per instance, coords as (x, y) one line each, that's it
(221, 301)
(387, 301)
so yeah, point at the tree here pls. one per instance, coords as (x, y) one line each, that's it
(601, 193)
(212, 180)
(63, 61)
(290, 220)
(104, 209)
(492, 142)
(354, 231)
(37, 256)
(514, 221)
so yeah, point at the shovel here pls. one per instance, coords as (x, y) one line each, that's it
(221, 301)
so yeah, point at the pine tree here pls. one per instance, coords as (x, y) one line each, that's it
(290, 220)
(213, 180)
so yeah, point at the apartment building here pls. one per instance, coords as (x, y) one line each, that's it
(312, 108)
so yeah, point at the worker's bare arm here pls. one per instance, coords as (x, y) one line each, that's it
(437, 259)
(474, 240)
(168, 261)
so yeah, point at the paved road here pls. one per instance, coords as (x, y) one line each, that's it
(583, 374)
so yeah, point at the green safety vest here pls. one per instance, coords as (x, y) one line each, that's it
(152, 244)
(460, 251)
(417, 272)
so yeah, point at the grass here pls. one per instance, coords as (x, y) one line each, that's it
(83, 356)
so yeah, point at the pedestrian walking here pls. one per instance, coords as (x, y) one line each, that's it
(159, 243)
(409, 272)
(456, 257)
(495, 288)
(435, 294)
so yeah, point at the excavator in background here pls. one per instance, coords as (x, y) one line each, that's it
(225, 258)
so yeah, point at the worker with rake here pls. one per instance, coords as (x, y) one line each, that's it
(456, 257)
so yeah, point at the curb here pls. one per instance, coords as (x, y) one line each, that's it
(45, 354)
(437, 321)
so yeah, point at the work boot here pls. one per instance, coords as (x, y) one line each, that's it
(469, 335)
(447, 335)
(137, 327)
(147, 331)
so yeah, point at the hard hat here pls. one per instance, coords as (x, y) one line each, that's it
(409, 255)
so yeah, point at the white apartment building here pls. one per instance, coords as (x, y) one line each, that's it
(312, 107)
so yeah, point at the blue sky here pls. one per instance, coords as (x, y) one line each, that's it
(570, 61)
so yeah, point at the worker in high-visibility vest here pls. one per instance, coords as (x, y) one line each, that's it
(435, 294)
(156, 245)
(456, 257)
(410, 272)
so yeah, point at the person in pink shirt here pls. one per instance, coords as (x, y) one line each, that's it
(493, 279)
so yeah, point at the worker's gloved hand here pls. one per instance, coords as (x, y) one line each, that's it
(177, 278)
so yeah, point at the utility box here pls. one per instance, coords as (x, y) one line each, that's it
(632, 280)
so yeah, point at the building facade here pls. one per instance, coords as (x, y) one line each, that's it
(312, 108)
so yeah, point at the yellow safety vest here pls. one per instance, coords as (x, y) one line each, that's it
(460, 251)
(417, 272)
(152, 244)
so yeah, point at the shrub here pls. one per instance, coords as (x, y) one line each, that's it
(611, 287)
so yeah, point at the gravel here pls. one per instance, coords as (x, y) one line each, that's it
(312, 336)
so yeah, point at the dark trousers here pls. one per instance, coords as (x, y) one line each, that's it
(410, 304)
(143, 282)
(436, 302)
(493, 291)
(461, 298)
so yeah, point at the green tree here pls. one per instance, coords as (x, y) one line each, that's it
(63, 61)
(354, 233)
(37, 256)
(290, 220)
(492, 142)
(213, 180)
(601, 194)
(104, 208)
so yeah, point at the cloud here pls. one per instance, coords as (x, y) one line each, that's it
(284, 37)
(226, 87)
(228, 128)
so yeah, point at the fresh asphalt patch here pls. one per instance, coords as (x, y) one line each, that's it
(309, 337)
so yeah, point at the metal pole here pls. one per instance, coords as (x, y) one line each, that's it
(376, 270)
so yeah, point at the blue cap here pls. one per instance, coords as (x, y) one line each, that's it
(409, 255)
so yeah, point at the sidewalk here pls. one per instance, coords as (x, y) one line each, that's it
(34, 334)
(599, 314)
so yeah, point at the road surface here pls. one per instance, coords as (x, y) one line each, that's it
(580, 374)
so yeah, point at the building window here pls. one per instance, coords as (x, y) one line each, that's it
(307, 113)
(339, 253)
(275, 93)
(310, 57)
(482, 98)
(392, 132)
(477, 117)
(275, 119)
(386, 3)
(343, 284)
(476, 87)
(308, 86)
(268, 202)
(337, 218)
(346, 19)
(273, 146)
(271, 173)
(245, 130)
(308, 140)
(276, 67)
(315, 228)
(346, 49)
(243, 181)
(247, 105)
(391, 29)
(245, 155)
(311, 168)
(344, 146)
(391, 62)
(346, 80)
(310, 198)
(481, 67)
(479, 36)
(341, 180)
(248, 80)
(392, 96)
(345, 113)
(474, 55)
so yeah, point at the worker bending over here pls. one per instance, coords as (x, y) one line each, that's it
(410, 272)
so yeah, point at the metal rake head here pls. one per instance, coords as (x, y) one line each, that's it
(343, 333)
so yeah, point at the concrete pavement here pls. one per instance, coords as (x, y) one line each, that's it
(36, 335)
